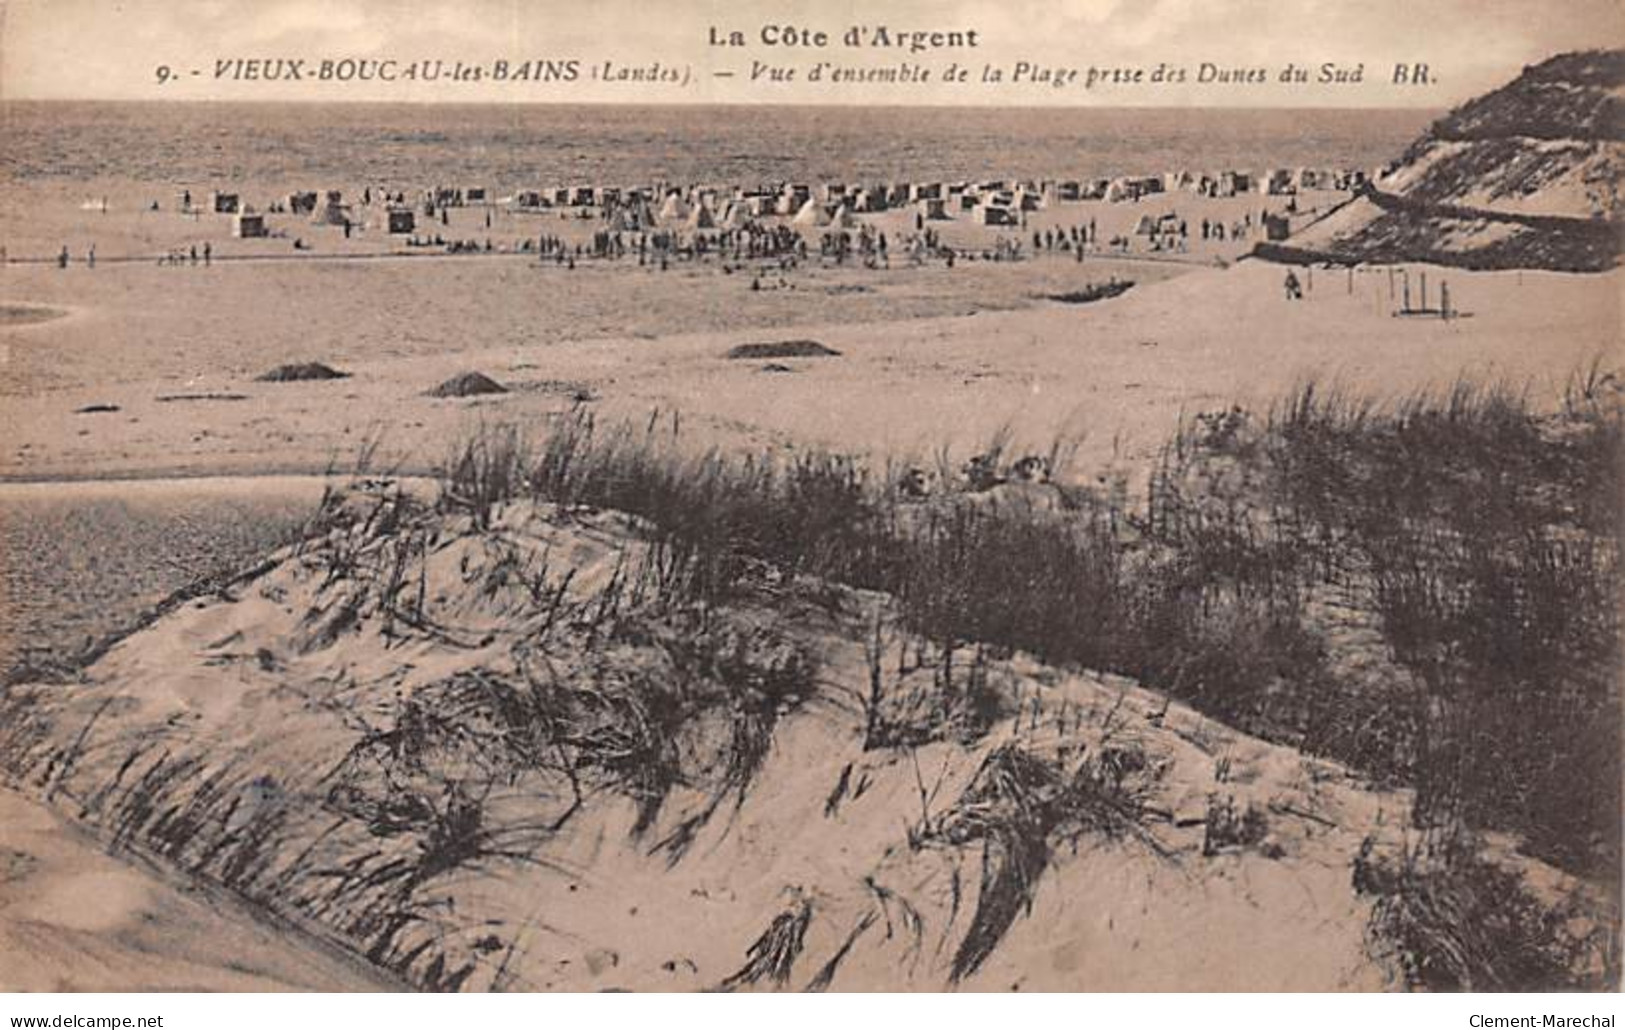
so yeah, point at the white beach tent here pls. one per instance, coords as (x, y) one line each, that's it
(811, 213)
(675, 208)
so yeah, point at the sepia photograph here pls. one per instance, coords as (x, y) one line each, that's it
(789, 496)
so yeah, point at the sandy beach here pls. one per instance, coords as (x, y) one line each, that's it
(510, 702)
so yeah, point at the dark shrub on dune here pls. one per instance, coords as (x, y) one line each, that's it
(469, 384)
(301, 372)
(782, 349)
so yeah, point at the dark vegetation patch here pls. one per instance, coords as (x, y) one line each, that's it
(1094, 292)
(781, 349)
(468, 384)
(301, 372)
(27, 314)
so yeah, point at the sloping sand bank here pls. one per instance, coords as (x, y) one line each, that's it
(433, 738)
(73, 918)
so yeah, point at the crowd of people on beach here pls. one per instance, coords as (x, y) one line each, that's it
(743, 229)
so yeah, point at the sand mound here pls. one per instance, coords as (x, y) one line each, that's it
(523, 663)
(1093, 292)
(469, 384)
(302, 372)
(783, 349)
(12, 315)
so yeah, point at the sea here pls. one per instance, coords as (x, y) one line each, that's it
(519, 146)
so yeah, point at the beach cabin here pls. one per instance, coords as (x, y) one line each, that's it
(582, 196)
(399, 220)
(1068, 191)
(248, 225)
(995, 214)
(934, 209)
(302, 203)
(225, 203)
(1231, 184)
(1278, 181)
(1277, 227)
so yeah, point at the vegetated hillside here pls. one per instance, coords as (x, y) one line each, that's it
(1574, 96)
(1526, 176)
(612, 714)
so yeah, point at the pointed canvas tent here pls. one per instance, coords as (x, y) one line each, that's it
(1145, 226)
(811, 213)
(736, 217)
(701, 217)
(843, 218)
(675, 209)
(331, 210)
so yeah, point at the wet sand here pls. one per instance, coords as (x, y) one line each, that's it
(83, 560)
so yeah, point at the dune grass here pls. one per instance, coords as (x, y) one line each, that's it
(1423, 589)
(1471, 538)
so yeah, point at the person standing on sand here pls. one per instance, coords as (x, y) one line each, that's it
(1294, 289)
(90, 256)
(208, 253)
(62, 258)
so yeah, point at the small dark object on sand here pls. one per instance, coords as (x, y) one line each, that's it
(1094, 291)
(783, 349)
(469, 384)
(170, 398)
(95, 409)
(774, 366)
(306, 370)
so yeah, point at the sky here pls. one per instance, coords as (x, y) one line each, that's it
(1042, 49)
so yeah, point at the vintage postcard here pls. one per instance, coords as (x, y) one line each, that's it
(1036, 495)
